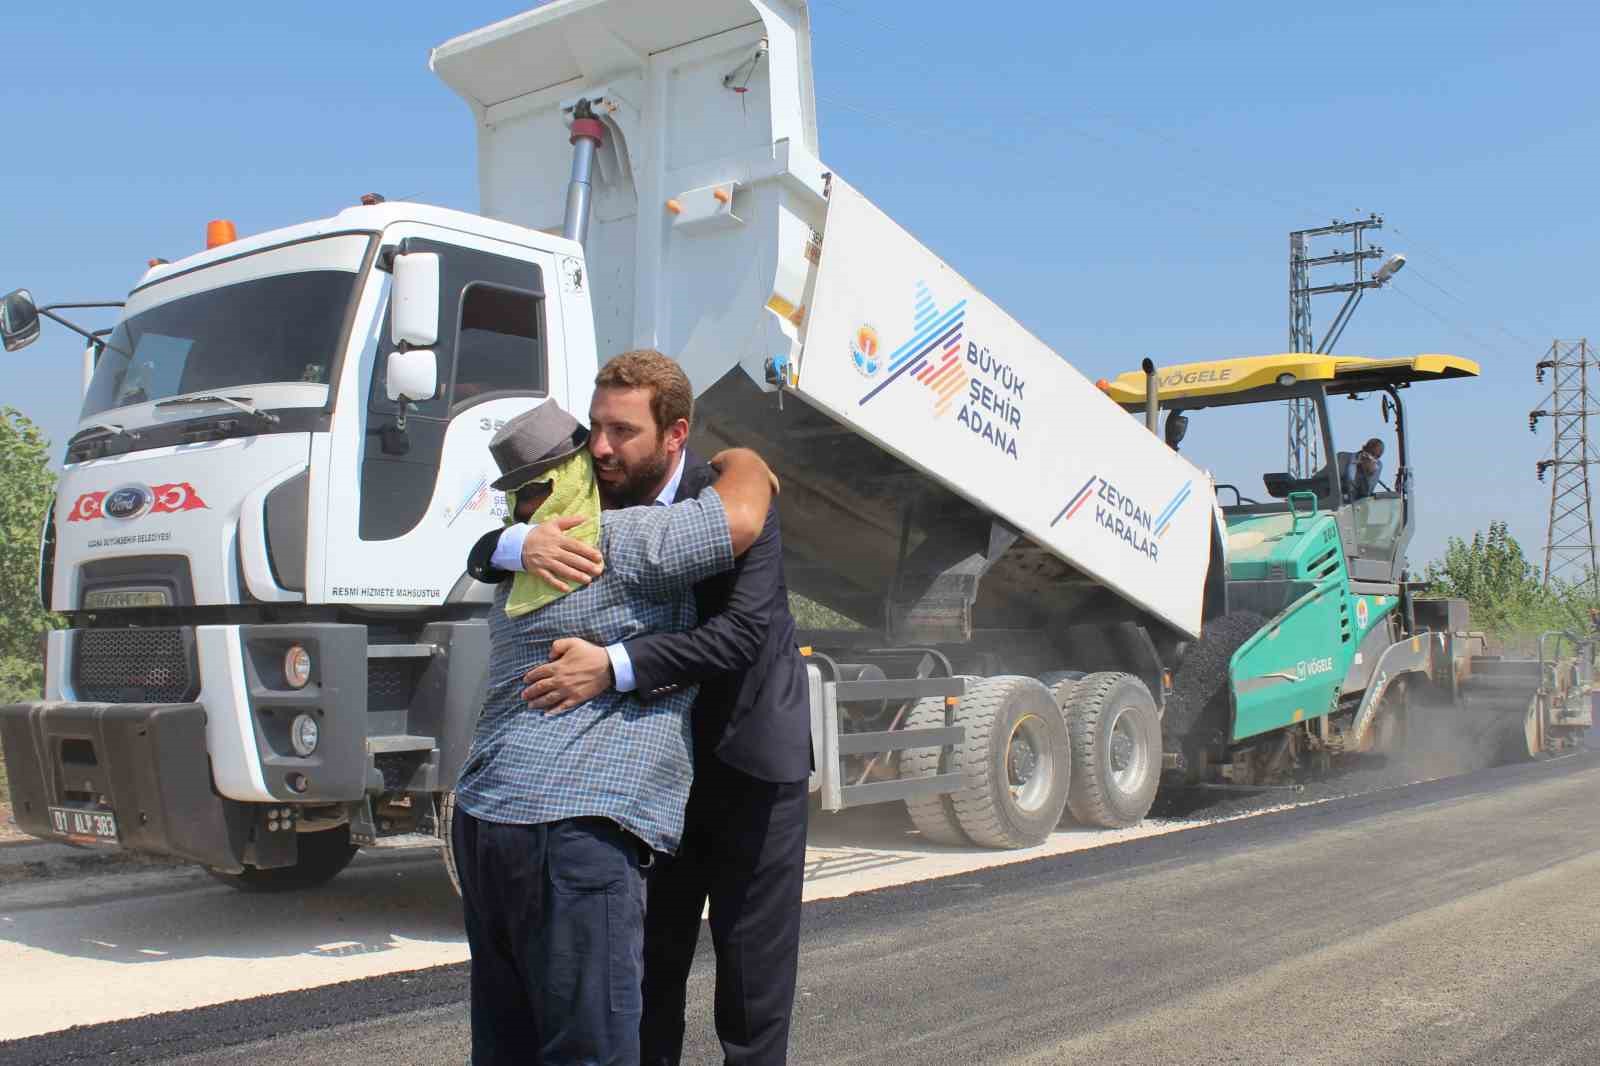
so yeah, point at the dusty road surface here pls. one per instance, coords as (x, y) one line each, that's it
(1447, 922)
(151, 937)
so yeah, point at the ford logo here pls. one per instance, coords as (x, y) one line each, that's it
(130, 501)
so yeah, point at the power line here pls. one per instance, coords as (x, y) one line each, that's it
(1522, 342)
(1434, 255)
(1454, 327)
(1060, 124)
(922, 129)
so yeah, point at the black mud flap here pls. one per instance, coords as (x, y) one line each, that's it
(146, 764)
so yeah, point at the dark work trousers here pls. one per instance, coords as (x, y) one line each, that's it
(744, 848)
(555, 920)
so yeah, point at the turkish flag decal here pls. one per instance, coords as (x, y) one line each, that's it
(87, 509)
(176, 497)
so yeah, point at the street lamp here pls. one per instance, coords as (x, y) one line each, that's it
(1390, 268)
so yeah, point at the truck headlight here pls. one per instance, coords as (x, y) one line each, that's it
(296, 667)
(304, 734)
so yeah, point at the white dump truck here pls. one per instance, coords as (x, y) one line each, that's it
(273, 654)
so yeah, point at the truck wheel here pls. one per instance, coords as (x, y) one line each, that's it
(934, 816)
(1016, 761)
(321, 855)
(1116, 750)
(447, 817)
(1200, 687)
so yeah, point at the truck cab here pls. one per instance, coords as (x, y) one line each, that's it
(280, 465)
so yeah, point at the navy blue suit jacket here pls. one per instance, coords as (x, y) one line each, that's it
(752, 713)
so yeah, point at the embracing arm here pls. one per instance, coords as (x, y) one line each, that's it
(747, 487)
(728, 641)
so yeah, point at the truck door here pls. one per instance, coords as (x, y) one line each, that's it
(490, 347)
(405, 506)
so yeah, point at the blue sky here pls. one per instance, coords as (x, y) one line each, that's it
(1121, 178)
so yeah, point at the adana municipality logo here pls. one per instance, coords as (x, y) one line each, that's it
(864, 351)
(987, 386)
(932, 356)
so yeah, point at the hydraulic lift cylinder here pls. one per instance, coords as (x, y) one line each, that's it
(588, 134)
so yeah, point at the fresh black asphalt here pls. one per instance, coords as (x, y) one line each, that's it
(1015, 962)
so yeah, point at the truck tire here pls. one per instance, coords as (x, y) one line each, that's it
(1116, 750)
(934, 816)
(1016, 763)
(321, 855)
(1200, 687)
(447, 849)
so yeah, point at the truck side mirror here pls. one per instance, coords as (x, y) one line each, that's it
(414, 300)
(412, 374)
(19, 320)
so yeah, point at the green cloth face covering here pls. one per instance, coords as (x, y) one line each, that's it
(574, 492)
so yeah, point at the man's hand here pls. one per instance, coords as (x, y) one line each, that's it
(549, 553)
(576, 673)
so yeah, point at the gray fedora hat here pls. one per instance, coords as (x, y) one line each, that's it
(533, 442)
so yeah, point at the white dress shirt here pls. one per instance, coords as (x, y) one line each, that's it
(508, 556)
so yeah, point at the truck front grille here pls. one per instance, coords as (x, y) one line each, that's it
(135, 666)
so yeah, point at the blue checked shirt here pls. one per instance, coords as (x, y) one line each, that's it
(614, 757)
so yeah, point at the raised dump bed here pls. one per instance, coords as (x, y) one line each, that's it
(928, 414)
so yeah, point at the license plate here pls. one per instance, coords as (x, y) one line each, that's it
(84, 827)
(114, 599)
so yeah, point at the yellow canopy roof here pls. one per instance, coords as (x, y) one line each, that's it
(1341, 372)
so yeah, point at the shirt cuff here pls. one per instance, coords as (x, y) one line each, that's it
(621, 668)
(508, 552)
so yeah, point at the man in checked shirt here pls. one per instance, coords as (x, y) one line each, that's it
(558, 815)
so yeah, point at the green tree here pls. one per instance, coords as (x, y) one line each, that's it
(26, 487)
(1503, 589)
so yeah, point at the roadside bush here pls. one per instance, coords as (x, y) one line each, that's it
(27, 485)
(1508, 600)
(809, 614)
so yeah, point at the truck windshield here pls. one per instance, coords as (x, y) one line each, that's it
(283, 328)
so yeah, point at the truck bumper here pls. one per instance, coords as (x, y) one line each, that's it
(144, 763)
